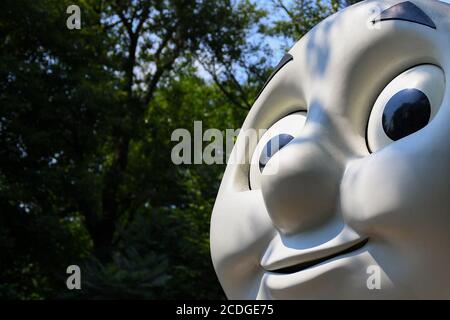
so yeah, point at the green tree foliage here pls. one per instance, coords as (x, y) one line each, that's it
(299, 16)
(55, 101)
(86, 118)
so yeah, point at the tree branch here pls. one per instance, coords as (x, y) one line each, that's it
(161, 68)
(290, 14)
(238, 86)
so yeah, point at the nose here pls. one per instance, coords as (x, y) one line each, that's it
(301, 186)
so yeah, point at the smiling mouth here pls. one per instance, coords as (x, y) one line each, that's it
(305, 265)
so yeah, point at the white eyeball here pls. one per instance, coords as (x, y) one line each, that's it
(273, 140)
(406, 105)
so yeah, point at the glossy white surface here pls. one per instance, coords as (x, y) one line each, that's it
(329, 191)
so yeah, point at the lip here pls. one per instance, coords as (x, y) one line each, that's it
(291, 254)
(327, 256)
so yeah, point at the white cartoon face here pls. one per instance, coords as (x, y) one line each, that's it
(353, 201)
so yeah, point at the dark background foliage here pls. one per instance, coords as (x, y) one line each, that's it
(86, 118)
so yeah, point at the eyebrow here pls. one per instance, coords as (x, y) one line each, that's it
(406, 11)
(286, 58)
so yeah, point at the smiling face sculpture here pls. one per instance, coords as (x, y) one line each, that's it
(353, 201)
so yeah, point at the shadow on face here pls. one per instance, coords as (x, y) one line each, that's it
(346, 195)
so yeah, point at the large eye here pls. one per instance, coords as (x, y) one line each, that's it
(273, 140)
(406, 105)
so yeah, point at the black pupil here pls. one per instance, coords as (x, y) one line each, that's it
(406, 112)
(273, 146)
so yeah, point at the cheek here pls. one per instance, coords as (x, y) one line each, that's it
(398, 192)
(240, 233)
